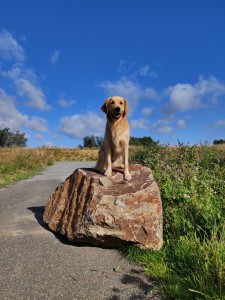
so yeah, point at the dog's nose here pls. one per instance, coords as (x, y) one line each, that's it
(117, 109)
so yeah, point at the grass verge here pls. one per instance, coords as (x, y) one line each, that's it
(21, 163)
(191, 264)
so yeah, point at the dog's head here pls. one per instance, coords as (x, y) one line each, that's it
(115, 107)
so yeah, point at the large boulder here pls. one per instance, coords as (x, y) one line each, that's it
(91, 208)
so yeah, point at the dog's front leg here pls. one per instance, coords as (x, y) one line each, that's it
(127, 175)
(108, 171)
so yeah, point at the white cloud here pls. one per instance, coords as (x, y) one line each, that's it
(219, 124)
(66, 102)
(183, 96)
(147, 111)
(37, 123)
(181, 124)
(139, 123)
(25, 81)
(55, 136)
(130, 90)
(23, 77)
(38, 137)
(55, 57)
(48, 144)
(79, 126)
(11, 118)
(131, 70)
(145, 71)
(10, 48)
(162, 127)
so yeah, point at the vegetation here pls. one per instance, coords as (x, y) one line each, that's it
(218, 142)
(96, 141)
(21, 163)
(146, 141)
(191, 264)
(92, 142)
(9, 139)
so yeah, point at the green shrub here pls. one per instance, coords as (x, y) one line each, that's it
(191, 264)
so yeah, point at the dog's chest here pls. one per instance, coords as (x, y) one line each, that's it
(116, 137)
(119, 140)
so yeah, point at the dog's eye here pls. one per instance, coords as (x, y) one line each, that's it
(112, 102)
(121, 103)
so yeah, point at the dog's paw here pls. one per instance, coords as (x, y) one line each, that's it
(127, 176)
(108, 173)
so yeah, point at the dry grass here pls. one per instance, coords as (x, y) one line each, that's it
(10, 155)
(69, 154)
(21, 163)
(220, 146)
(191, 264)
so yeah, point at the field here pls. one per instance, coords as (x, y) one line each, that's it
(191, 264)
(21, 163)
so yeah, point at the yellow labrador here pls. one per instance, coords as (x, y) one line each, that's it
(114, 151)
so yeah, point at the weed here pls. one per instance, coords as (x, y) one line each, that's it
(191, 264)
(21, 163)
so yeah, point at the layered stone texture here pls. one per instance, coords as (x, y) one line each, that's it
(110, 212)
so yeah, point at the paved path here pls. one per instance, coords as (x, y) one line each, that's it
(37, 264)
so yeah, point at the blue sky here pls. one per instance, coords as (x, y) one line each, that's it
(60, 60)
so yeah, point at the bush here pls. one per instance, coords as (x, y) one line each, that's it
(144, 141)
(20, 163)
(218, 142)
(8, 138)
(191, 264)
(92, 142)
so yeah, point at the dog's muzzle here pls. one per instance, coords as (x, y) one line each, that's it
(116, 113)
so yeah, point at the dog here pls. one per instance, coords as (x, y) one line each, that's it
(114, 151)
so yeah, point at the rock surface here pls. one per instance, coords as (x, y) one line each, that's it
(110, 212)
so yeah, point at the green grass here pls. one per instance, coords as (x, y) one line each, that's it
(22, 163)
(191, 264)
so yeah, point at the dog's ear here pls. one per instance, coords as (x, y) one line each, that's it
(104, 107)
(125, 106)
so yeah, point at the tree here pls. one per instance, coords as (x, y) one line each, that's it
(217, 142)
(96, 141)
(92, 142)
(144, 141)
(89, 142)
(99, 141)
(9, 139)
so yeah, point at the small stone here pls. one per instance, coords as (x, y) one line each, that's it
(108, 211)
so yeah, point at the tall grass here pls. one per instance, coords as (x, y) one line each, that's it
(21, 163)
(191, 265)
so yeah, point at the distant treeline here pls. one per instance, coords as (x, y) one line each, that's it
(10, 139)
(217, 142)
(143, 141)
(96, 141)
(146, 141)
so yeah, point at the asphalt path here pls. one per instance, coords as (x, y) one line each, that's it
(38, 264)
